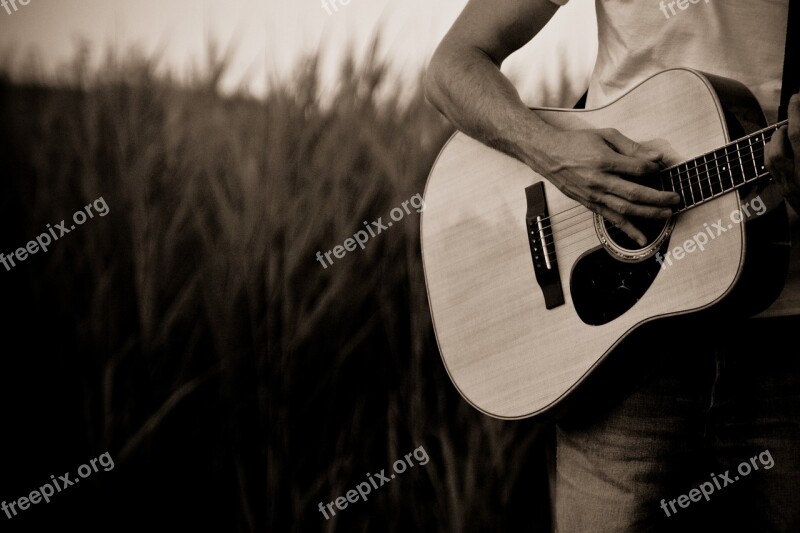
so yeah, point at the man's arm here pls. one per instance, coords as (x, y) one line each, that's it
(465, 83)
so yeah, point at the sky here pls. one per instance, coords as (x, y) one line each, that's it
(270, 35)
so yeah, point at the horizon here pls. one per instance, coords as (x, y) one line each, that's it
(269, 38)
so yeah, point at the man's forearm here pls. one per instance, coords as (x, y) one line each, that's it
(480, 101)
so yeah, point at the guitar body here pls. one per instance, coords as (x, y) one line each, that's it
(511, 352)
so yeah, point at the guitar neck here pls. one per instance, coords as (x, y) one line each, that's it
(723, 170)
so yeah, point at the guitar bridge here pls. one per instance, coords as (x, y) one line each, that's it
(543, 250)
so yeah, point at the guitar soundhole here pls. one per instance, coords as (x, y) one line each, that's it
(652, 229)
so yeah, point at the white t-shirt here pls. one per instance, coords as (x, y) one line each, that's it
(739, 39)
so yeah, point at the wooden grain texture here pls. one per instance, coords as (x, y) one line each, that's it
(507, 354)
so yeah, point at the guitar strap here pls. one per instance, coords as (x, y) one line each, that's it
(791, 59)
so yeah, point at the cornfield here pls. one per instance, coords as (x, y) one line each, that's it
(192, 333)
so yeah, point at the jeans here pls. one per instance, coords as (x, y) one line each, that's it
(710, 405)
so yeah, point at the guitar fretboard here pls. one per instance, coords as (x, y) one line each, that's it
(721, 171)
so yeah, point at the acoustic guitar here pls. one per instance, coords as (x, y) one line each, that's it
(530, 292)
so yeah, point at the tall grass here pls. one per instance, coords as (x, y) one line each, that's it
(236, 381)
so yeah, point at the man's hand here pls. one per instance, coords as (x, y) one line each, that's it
(783, 156)
(595, 167)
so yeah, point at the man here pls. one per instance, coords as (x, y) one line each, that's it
(710, 405)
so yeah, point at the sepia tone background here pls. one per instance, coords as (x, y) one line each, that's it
(191, 333)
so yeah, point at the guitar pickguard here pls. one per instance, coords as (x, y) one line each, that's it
(604, 288)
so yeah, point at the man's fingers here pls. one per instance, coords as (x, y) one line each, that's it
(622, 223)
(629, 157)
(623, 165)
(629, 147)
(641, 194)
(629, 209)
(777, 155)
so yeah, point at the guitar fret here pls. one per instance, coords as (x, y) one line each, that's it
(663, 187)
(745, 164)
(724, 172)
(740, 169)
(758, 158)
(699, 181)
(728, 165)
(722, 188)
(708, 177)
(684, 199)
(702, 177)
(725, 169)
(753, 156)
(689, 183)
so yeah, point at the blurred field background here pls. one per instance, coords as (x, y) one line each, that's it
(192, 333)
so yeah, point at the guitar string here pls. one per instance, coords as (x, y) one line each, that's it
(613, 232)
(708, 192)
(581, 226)
(690, 180)
(703, 188)
(755, 150)
(707, 174)
(565, 244)
(753, 136)
(736, 150)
